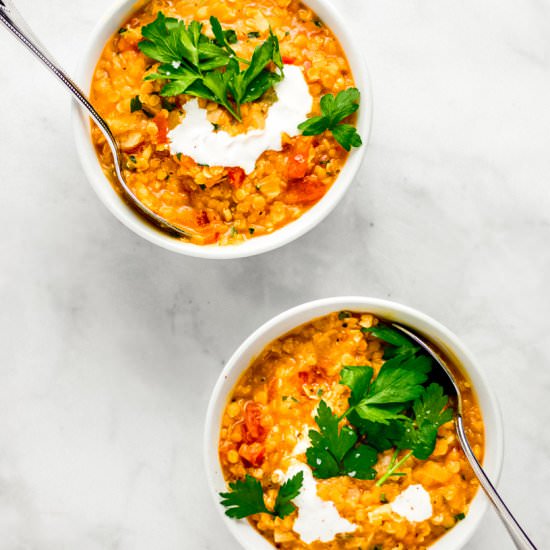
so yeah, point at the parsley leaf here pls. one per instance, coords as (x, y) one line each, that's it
(380, 436)
(400, 345)
(420, 432)
(346, 135)
(334, 110)
(358, 380)
(223, 39)
(246, 497)
(249, 85)
(399, 382)
(385, 398)
(360, 461)
(429, 414)
(333, 451)
(168, 40)
(179, 79)
(289, 490)
(337, 441)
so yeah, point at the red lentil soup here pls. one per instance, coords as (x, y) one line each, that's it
(276, 398)
(217, 204)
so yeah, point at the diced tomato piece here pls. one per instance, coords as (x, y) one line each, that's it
(298, 158)
(253, 422)
(199, 224)
(128, 43)
(254, 454)
(309, 189)
(162, 126)
(288, 60)
(313, 376)
(137, 149)
(236, 177)
(202, 218)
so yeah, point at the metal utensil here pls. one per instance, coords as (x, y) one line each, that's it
(518, 535)
(11, 18)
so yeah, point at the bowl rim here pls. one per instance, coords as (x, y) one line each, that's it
(105, 27)
(279, 325)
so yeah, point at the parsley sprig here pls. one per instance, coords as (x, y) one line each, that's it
(420, 432)
(246, 497)
(196, 65)
(384, 399)
(334, 450)
(334, 109)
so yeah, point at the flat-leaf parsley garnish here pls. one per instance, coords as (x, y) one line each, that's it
(334, 109)
(393, 409)
(196, 65)
(246, 497)
(420, 431)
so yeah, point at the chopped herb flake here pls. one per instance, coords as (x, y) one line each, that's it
(135, 104)
(168, 105)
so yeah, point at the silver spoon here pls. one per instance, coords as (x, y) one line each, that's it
(11, 18)
(518, 535)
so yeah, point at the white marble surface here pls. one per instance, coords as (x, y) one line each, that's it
(111, 346)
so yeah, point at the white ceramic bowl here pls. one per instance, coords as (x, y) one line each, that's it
(106, 27)
(457, 537)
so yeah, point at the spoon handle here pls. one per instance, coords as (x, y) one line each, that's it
(518, 535)
(11, 18)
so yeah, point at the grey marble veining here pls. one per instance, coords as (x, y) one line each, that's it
(110, 346)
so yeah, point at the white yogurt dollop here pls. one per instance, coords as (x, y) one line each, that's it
(413, 503)
(317, 519)
(195, 136)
